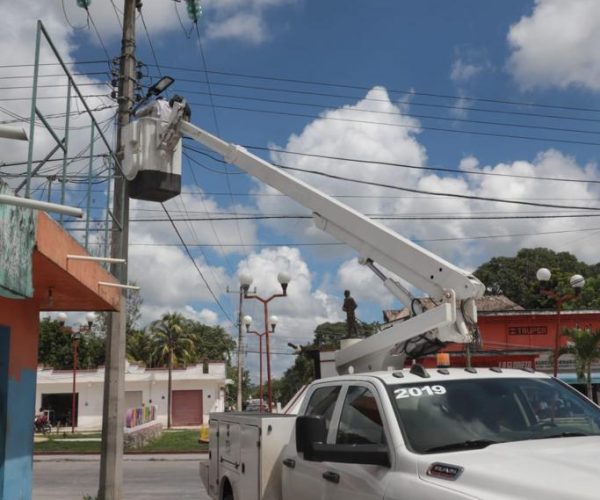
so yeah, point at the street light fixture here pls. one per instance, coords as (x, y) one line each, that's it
(577, 282)
(284, 279)
(159, 87)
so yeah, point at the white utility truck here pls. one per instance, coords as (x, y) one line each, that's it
(379, 431)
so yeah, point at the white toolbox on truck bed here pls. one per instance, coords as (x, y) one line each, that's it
(245, 446)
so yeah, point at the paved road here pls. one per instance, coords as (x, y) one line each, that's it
(155, 477)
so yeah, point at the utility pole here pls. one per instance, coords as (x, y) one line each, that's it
(240, 359)
(111, 460)
(240, 350)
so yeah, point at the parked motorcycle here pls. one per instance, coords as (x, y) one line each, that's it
(42, 425)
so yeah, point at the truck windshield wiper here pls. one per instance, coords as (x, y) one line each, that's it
(472, 444)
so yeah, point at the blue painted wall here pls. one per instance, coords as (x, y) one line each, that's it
(17, 410)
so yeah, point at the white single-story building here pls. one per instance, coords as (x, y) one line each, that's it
(196, 393)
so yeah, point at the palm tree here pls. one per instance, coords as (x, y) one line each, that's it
(173, 343)
(585, 346)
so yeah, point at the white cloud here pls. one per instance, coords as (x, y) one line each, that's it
(557, 45)
(232, 19)
(468, 63)
(363, 284)
(246, 26)
(400, 145)
(462, 71)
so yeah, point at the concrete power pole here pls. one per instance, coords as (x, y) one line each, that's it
(240, 359)
(111, 461)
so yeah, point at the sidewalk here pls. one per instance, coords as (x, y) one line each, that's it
(133, 457)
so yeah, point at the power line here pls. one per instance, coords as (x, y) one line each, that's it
(396, 91)
(221, 218)
(421, 240)
(191, 228)
(419, 167)
(98, 35)
(189, 253)
(399, 125)
(96, 61)
(411, 115)
(217, 128)
(374, 99)
(434, 193)
(63, 97)
(52, 75)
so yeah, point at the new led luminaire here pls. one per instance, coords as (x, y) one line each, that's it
(159, 87)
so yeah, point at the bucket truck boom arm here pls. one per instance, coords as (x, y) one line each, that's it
(452, 289)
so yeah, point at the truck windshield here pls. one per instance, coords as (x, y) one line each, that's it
(465, 414)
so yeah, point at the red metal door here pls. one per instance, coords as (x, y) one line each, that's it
(187, 407)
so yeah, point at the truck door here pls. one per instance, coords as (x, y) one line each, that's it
(301, 479)
(360, 422)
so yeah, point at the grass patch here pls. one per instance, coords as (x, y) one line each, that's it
(174, 441)
(76, 435)
(182, 441)
(67, 446)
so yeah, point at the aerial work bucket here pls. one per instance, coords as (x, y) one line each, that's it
(151, 163)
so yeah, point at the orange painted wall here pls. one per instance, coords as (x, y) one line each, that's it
(22, 317)
(529, 330)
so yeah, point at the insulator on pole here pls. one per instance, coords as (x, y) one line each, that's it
(194, 10)
(84, 4)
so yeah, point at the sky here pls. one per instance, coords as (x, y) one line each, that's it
(488, 99)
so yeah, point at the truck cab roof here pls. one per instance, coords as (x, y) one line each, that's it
(420, 375)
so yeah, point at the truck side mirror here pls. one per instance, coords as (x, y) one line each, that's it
(309, 430)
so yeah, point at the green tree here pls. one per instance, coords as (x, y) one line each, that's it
(55, 348)
(516, 277)
(140, 347)
(296, 376)
(584, 345)
(247, 387)
(172, 344)
(327, 336)
(211, 342)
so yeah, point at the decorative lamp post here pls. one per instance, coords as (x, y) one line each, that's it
(577, 282)
(284, 279)
(247, 320)
(76, 332)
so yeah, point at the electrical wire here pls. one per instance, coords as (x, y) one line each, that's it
(190, 226)
(419, 167)
(400, 125)
(214, 113)
(452, 119)
(387, 101)
(434, 193)
(76, 28)
(420, 240)
(117, 12)
(189, 253)
(395, 91)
